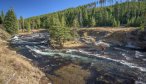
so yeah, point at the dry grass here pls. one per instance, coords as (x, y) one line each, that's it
(100, 31)
(4, 35)
(73, 44)
(32, 31)
(109, 29)
(17, 70)
(70, 74)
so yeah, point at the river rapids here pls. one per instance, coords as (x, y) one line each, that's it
(118, 65)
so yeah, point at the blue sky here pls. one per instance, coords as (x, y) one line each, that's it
(28, 8)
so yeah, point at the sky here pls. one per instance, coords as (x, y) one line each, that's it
(29, 8)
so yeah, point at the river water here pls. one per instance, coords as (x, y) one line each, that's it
(118, 65)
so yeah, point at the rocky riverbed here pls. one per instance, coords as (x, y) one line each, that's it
(114, 65)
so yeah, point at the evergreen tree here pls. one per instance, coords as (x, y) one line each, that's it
(55, 20)
(38, 23)
(80, 18)
(75, 28)
(143, 24)
(28, 26)
(116, 23)
(21, 23)
(43, 21)
(76, 23)
(33, 24)
(85, 18)
(58, 33)
(106, 18)
(63, 22)
(142, 27)
(10, 22)
(47, 23)
(2, 17)
(0, 20)
(93, 22)
(101, 2)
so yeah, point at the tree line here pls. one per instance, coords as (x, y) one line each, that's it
(120, 14)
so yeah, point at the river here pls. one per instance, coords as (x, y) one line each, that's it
(118, 65)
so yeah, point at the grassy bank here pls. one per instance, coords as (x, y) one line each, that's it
(14, 69)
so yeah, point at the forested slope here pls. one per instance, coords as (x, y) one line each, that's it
(120, 14)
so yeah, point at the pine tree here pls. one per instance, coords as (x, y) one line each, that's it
(2, 17)
(38, 23)
(47, 23)
(145, 17)
(142, 27)
(76, 23)
(104, 16)
(80, 18)
(28, 27)
(10, 22)
(93, 22)
(21, 23)
(85, 18)
(63, 22)
(75, 28)
(102, 2)
(56, 21)
(43, 21)
(33, 24)
(58, 33)
(116, 23)
(0, 20)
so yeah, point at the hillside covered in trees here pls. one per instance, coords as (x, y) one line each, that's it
(96, 14)
(120, 14)
(116, 13)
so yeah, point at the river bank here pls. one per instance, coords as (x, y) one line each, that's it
(124, 37)
(115, 65)
(14, 68)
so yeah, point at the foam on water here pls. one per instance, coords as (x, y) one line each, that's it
(138, 54)
(130, 45)
(102, 43)
(139, 82)
(127, 58)
(131, 65)
(120, 49)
